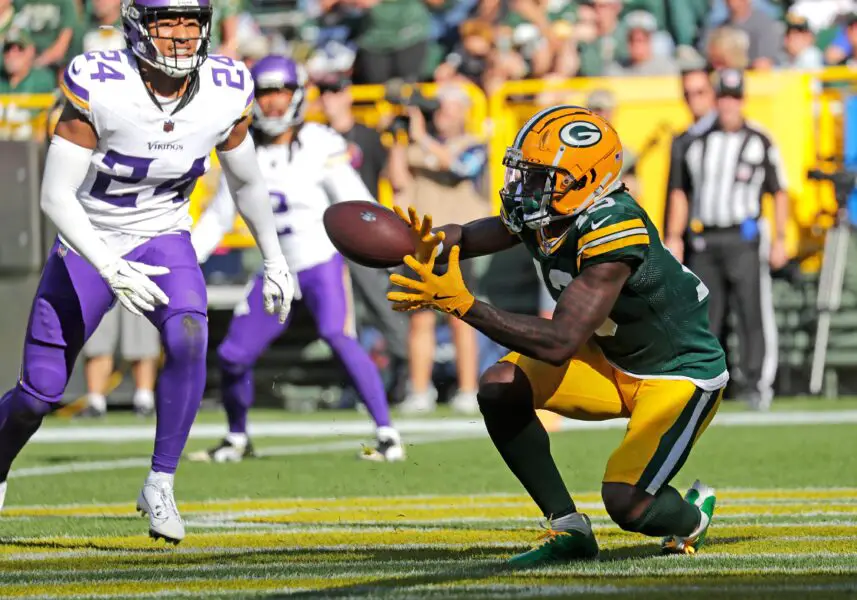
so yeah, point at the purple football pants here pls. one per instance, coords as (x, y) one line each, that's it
(70, 302)
(252, 330)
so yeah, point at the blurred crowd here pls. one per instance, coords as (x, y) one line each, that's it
(486, 42)
(481, 42)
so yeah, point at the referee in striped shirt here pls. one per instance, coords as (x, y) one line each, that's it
(726, 168)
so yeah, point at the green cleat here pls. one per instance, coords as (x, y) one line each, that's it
(560, 546)
(702, 496)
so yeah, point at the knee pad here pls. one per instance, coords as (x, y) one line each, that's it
(185, 337)
(26, 408)
(44, 377)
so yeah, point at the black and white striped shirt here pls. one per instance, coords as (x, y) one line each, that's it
(725, 174)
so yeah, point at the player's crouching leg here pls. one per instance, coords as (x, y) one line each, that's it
(506, 402)
(683, 522)
(184, 336)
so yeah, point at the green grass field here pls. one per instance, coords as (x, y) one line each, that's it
(308, 519)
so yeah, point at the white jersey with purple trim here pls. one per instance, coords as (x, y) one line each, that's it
(303, 179)
(147, 159)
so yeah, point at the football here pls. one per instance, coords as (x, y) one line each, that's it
(368, 233)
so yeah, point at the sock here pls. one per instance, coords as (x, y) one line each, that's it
(388, 434)
(144, 399)
(180, 387)
(238, 440)
(525, 447)
(20, 417)
(156, 477)
(97, 401)
(668, 514)
(364, 374)
(237, 394)
(573, 522)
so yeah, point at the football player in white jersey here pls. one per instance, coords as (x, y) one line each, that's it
(135, 135)
(305, 166)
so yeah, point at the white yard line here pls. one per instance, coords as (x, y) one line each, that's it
(291, 450)
(474, 425)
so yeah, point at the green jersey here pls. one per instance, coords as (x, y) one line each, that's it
(45, 19)
(658, 327)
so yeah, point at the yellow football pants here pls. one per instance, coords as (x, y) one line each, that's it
(667, 416)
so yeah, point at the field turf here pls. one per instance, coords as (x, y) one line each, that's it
(309, 520)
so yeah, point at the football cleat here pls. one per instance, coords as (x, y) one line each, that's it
(156, 500)
(419, 403)
(561, 546)
(90, 412)
(703, 497)
(389, 447)
(464, 403)
(2, 494)
(228, 450)
(144, 410)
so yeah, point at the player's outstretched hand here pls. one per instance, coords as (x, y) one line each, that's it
(278, 288)
(447, 293)
(132, 287)
(425, 242)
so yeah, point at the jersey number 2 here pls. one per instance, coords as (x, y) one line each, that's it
(233, 79)
(280, 206)
(105, 71)
(701, 288)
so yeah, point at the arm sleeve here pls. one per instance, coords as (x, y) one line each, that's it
(674, 179)
(343, 184)
(214, 223)
(242, 174)
(612, 237)
(341, 181)
(775, 179)
(66, 167)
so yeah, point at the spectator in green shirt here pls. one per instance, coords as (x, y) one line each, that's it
(224, 27)
(19, 76)
(90, 35)
(611, 43)
(392, 40)
(52, 24)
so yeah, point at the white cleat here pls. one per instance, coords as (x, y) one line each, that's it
(416, 403)
(464, 403)
(156, 500)
(233, 448)
(388, 449)
(2, 494)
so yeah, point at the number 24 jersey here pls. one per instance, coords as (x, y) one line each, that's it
(658, 327)
(147, 159)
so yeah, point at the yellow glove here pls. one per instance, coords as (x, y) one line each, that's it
(446, 293)
(425, 242)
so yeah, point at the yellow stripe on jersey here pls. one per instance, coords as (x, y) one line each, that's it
(247, 110)
(74, 98)
(640, 239)
(610, 229)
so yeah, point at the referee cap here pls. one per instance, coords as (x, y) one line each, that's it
(729, 82)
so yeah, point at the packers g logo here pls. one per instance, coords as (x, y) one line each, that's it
(580, 134)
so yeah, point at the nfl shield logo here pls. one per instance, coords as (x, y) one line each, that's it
(169, 126)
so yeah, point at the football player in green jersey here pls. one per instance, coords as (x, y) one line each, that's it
(628, 339)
